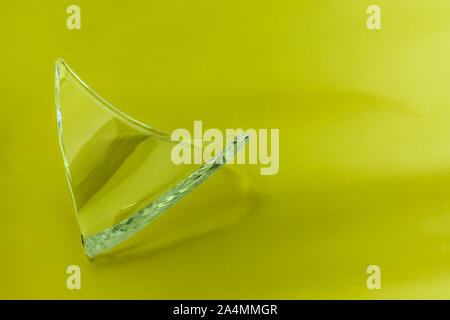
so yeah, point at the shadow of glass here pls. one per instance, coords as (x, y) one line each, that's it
(222, 201)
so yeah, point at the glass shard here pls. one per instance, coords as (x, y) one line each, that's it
(120, 171)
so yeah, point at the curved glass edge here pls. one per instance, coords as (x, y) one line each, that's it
(60, 62)
(109, 238)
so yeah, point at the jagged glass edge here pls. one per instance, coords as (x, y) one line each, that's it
(109, 238)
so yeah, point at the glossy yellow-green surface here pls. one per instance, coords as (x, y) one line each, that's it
(364, 147)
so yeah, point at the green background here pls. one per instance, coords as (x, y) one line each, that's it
(364, 146)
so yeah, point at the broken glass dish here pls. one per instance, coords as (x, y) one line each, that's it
(119, 170)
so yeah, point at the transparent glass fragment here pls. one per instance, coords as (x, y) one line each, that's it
(120, 171)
